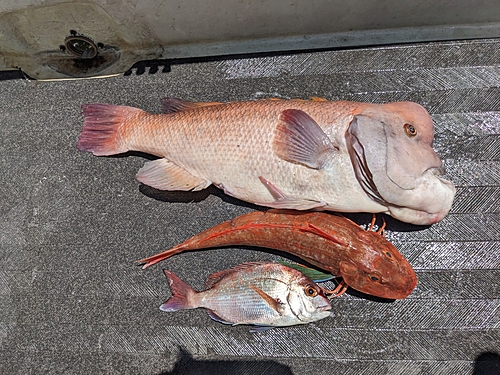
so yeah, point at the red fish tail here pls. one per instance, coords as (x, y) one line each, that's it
(213, 237)
(102, 130)
(162, 256)
(182, 294)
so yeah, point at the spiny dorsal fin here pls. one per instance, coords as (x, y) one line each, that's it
(173, 105)
(216, 277)
(299, 139)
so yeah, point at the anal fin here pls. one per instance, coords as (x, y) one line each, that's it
(217, 318)
(165, 175)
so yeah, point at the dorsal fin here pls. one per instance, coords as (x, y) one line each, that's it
(216, 277)
(173, 105)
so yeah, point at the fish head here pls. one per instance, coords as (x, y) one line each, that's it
(390, 146)
(307, 300)
(377, 268)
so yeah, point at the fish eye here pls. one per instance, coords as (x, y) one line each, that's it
(388, 254)
(410, 130)
(374, 278)
(310, 291)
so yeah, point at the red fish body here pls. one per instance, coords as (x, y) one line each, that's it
(285, 154)
(364, 259)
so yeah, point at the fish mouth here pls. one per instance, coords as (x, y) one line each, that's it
(434, 171)
(326, 307)
(404, 290)
(437, 171)
(389, 293)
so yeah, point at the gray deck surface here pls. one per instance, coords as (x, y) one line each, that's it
(72, 225)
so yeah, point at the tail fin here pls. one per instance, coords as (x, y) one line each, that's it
(160, 256)
(182, 294)
(100, 134)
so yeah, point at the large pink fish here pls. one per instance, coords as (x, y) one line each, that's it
(297, 154)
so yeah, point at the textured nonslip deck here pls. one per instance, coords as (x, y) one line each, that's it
(71, 225)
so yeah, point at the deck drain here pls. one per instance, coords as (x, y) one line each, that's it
(80, 46)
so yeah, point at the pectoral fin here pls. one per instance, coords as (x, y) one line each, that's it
(275, 304)
(165, 175)
(284, 202)
(299, 139)
(313, 274)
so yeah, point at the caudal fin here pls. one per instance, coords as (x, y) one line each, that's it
(182, 294)
(100, 134)
(160, 256)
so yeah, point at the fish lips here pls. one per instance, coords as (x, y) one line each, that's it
(437, 171)
(322, 311)
(326, 307)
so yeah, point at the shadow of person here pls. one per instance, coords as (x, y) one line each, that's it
(487, 363)
(187, 365)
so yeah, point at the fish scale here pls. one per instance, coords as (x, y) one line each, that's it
(252, 304)
(240, 125)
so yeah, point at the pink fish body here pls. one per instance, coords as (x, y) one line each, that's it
(297, 154)
(260, 294)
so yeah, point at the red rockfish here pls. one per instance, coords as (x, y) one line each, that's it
(364, 259)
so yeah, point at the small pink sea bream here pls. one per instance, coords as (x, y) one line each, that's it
(262, 294)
